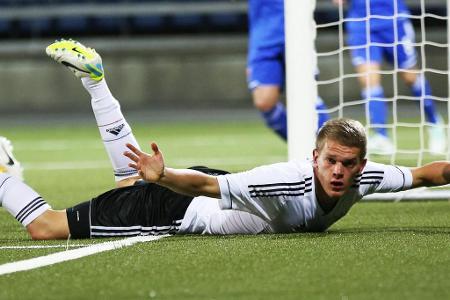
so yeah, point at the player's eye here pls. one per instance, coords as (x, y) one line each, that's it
(349, 163)
(331, 160)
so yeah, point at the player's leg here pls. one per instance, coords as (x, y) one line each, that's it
(264, 63)
(322, 115)
(114, 129)
(421, 88)
(407, 59)
(25, 204)
(265, 77)
(266, 99)
(419, 85)
(367, 61)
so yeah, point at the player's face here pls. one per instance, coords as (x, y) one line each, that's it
(335, 167)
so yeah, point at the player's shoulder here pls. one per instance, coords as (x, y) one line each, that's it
(374, 172)
(289, 169)
(302, 166)
(377, 177)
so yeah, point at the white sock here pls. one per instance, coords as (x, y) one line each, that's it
(21, 201)
(113, 127)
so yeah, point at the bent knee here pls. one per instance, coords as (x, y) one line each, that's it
(38, 234)
(266, 97)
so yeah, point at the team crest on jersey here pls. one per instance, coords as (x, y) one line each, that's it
(116, 130)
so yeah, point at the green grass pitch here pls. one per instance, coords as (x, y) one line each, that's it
(379, 251)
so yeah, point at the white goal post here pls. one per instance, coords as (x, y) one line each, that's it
(300, 82)
(302, 88)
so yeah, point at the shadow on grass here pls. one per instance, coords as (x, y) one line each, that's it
(425, 230)
(416, 230)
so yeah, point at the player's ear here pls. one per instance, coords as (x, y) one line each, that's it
(315, 156)
(363, 164)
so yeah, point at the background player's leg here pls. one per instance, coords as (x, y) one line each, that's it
(322, 117)
(420, 87)
(372, 90)
(266, 100)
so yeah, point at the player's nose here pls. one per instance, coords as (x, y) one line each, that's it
(338, 169)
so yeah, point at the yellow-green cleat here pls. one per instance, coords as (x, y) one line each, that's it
(81, 60)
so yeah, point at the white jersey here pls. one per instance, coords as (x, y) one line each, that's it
(281, 198)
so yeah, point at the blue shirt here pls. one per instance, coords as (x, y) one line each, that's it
(266, 22)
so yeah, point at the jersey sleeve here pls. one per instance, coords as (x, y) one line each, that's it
(261, 191)
(380, 178)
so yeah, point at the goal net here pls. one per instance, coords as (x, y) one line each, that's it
(408, 125)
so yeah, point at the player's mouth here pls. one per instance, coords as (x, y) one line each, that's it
(337, 185)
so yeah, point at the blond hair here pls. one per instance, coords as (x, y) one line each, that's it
(346, 132)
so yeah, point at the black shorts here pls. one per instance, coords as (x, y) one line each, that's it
(141, 209)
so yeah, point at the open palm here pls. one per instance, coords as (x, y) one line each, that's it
(149, 166)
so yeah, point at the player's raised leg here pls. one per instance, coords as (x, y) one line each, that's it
(115, 132)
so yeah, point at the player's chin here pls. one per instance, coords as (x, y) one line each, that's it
(336, 192)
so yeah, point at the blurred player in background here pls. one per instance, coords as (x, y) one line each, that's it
(266, 64)
(367, 60)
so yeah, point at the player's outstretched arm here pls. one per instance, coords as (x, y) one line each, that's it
(151, 168)
(432, 174)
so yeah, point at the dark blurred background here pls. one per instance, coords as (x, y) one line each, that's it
(162, 55)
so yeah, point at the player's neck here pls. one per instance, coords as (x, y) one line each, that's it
(326, 203)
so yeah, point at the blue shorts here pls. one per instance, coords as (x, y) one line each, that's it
(266, 67)
(265, 63)
(376, 52)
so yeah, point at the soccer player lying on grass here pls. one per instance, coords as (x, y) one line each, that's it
(295, 196)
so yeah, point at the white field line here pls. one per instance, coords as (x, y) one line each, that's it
(62, 256)
(42, 246)
(62, 144)
(104, 164)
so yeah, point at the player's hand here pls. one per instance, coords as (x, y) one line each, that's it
(149, 166)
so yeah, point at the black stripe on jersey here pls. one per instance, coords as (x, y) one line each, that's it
(29, 208)
(281, 189)
(367, 182)
(308, 179)
(369, 172)
(262, 194)
(368, 177)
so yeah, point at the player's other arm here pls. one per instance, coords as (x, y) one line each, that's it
(151, 168)
(432, 174)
